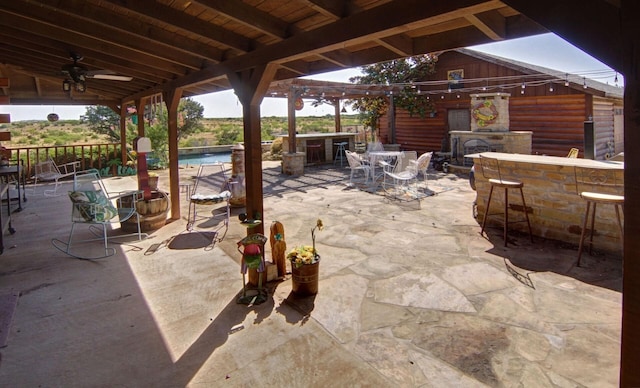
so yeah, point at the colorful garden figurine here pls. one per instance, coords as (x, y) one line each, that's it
(278, 248)
(252, 259)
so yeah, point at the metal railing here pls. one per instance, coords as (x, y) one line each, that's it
(89, 155)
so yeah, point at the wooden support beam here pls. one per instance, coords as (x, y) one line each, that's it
(4, 82)
(250, 87)
(172, 100)
(5, 100)
(5, 118)
(630, 356)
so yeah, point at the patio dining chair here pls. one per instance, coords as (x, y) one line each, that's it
(94, 206)
(49, 171)
(356, 163)
(422, 164)
(402, 185)
(211, 190)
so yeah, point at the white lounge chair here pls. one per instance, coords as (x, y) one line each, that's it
(48, 171)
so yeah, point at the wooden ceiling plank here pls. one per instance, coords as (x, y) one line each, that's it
(47, 31)
(341, 58)
(48, 22)
(335, 9)
(399, 44)
(365, 25)
(50, 55)
(171, 16)
(491, 23)
(249, 16)
(83, 11)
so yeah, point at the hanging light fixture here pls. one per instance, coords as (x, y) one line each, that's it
(66, 85)
(81, 87)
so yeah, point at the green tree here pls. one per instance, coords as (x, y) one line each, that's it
(103, 120)
(403, 72)
(190, 114)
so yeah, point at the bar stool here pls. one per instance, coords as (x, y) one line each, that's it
(491, 171)
(340, 155)
(313, 151)
(589, 179)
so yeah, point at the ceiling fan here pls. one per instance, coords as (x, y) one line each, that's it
(79, 74)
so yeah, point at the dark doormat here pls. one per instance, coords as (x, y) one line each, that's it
(8, 304)
(194, 240)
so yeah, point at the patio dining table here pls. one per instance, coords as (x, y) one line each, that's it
(376, 156)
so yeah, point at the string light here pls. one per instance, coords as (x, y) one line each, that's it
(584, 82)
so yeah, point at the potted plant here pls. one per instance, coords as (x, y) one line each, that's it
(153, 181)
(305, 263)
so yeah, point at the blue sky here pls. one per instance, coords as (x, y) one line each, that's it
(546, 50)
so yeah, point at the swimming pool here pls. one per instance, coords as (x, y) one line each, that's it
(194, 160)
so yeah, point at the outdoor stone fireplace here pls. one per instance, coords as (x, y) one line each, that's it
(489, 130)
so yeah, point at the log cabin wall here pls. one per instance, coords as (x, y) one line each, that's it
(556, 116)
(557, 122)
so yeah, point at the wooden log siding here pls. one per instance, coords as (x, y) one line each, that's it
(417, 134)
(603, 111)
(557, 122)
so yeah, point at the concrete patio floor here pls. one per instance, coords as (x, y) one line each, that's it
(408, 297)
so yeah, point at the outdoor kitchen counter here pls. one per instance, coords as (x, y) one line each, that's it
(326, 141)
(555, 209)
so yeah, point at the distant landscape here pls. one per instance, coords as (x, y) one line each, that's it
(72, 132)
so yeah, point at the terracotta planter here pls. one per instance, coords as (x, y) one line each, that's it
(153, 213)
(153, 182)
(304, 279)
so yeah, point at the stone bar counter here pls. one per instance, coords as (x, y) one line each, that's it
(555, 209)
(325, 140)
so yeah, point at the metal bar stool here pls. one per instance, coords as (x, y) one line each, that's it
(491, 171)
(313, 150)
(598, 186)
(340, 155)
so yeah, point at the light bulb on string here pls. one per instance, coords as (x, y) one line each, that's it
(584, 82)
(551, 87)
(566, 79)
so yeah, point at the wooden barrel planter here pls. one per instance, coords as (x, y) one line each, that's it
(153, 213)
(304, 279)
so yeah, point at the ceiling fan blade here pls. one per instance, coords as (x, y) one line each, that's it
(112, 77)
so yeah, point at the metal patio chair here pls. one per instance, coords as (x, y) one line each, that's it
(94, 206)
(211, 190)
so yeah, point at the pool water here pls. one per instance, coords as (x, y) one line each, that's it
(195, 160)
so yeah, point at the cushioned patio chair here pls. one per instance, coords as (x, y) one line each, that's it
(94, 206)
(49, 171)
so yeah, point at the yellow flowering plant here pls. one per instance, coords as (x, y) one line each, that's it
(306, 254)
